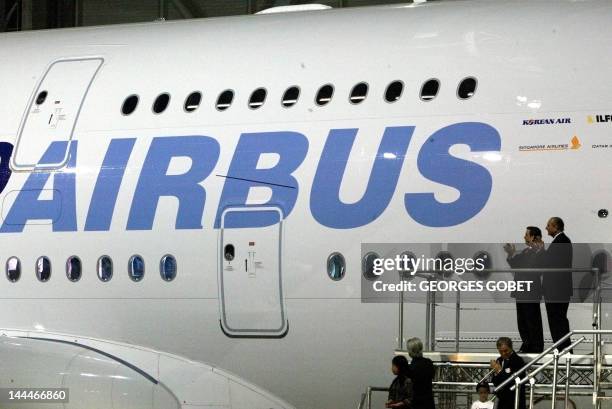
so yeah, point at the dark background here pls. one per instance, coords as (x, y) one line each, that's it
(16, 15)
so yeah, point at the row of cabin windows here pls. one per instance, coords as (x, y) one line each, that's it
(104, 268)
(359, 93)
(336, 264)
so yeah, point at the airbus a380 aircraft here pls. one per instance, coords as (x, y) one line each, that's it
(172, 192)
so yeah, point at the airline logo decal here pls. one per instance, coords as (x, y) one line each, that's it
(601, 146)
(434, 162)
(592, 119)
(547, 121)
(574, 144)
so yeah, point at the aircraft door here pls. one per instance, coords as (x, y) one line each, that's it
(53, 111)
(250, 275)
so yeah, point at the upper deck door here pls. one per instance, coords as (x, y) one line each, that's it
(250, 276)
(53, 111)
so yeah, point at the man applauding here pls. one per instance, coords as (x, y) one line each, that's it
(528, 315)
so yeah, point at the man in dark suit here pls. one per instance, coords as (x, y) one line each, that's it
(557, 286)
(506, 366)
(528, 314)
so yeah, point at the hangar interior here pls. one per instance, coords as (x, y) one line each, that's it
(18, 15)
(588, 375)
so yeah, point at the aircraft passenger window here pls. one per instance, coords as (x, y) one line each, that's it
(229, 252)
(467, 88)
(443, 256)
(359, 93)
(193, 101)
(13, 269)
(104, 268)
(43, 269)
(394, 91)
(291, 96)
(407, 259)
(73, 269)
(486, 261)
(258, 97)
(41, 98)
(225, 100)
(167, 268)
(430, 89)
(136, 268)
(325, 94)
(336, 266)
(161, 103)
(367, 266)
(129, 105)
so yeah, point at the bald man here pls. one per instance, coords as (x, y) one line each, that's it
(558, 286)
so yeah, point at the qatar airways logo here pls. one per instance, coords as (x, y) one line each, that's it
(434, 162)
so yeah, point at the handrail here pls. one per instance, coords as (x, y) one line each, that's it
(430, 314)
(548, 350)
(367, 402)
(555, 360)
(362, 401)
(531, 377)
(534, 360)
(550, 361)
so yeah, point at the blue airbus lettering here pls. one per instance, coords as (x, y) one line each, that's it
(57, 203)
(325, 203)
(473, 181)
(60, 209)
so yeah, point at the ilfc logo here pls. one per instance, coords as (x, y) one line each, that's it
(591, 119)
(156, 180)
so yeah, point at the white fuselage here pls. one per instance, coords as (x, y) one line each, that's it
(532, 60)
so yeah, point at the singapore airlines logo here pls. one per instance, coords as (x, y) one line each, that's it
(573, 145)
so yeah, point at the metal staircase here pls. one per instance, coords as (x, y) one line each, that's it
(554, 379)
(557, 377)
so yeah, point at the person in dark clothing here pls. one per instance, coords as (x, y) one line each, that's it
(528, 314)
(506, 366)
(400, 391)
(558, 286)
(421, 371)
